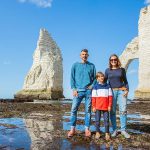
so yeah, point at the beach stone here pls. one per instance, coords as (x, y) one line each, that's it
(139, 48)
(45, 78)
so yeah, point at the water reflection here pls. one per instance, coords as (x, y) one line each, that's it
(13, 134)
(67, 145)
(40, 130)
(33, 133)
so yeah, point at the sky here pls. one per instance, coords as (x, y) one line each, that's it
(103, 27)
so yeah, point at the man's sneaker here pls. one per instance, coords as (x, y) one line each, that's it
(71, 133)
(87, 133)
(114, 134)
(125, 134)
(97, 135)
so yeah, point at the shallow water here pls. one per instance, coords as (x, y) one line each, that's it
(13, 134)
(36, 132)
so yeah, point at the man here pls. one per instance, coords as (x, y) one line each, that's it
(83, 77)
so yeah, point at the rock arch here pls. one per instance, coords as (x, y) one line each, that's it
(130, 53)
(139, 48)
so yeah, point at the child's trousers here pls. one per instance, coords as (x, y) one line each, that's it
(98, 118)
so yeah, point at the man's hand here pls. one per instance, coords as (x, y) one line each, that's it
(89, 87)
(94, 110)
(109, 108)
(125, 94)
(75, 93)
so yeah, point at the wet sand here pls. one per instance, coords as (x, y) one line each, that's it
(58, 114)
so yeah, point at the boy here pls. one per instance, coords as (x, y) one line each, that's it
(101, 103)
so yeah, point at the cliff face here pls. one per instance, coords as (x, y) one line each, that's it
(139, 48)
(45, 78)
(143, 89)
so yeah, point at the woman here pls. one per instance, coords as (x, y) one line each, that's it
(116, 77)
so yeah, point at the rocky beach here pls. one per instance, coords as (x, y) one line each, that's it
(44, 125)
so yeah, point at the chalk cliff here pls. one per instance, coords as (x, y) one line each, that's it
(45, 78)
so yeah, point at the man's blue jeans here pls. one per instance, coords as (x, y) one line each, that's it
(75, 105)
(119, 99)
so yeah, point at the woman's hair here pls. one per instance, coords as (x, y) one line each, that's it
(98, 74)
(118, 61)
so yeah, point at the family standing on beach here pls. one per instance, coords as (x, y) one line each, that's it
(102, 93)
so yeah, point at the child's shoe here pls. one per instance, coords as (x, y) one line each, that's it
(97, 135)
(107, 136)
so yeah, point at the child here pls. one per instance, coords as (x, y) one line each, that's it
(101, 103)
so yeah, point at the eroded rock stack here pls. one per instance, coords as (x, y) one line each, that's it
(45, 78)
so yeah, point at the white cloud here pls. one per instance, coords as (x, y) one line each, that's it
(40, 3)
(133, 71)
(147, 1)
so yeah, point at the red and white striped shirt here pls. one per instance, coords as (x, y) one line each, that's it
(101, 96)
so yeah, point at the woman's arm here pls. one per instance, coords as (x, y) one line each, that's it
(126, 83)
(125, 79)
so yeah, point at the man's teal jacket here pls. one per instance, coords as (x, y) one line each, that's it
(83, 75)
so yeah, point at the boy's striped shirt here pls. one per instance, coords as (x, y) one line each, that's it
(101, 96)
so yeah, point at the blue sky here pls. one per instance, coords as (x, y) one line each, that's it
(102, 26)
